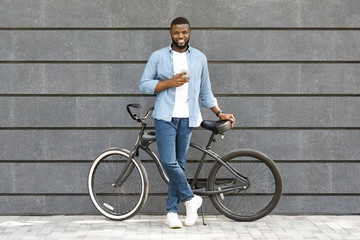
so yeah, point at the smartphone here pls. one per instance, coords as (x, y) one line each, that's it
(185, 71)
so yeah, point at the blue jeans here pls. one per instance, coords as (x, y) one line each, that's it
(173, 141)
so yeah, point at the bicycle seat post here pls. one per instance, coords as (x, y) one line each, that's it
(211, 140)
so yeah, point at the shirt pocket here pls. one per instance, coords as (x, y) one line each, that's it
(164, 76)
(165, 71)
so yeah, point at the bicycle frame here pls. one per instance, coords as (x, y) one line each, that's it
(243, 181)
(143, 144)
(225, 184)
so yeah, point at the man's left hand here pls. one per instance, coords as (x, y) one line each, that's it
(227, 116)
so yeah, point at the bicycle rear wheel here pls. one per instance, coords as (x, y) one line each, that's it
(261, 196)
(114, 201)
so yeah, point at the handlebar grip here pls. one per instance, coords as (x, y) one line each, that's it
(134, 105)
(136, 117)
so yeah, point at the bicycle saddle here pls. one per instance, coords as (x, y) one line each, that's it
(217, 127)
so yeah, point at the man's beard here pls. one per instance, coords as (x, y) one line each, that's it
(181, 47)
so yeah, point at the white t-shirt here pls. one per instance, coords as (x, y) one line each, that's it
(181, 108)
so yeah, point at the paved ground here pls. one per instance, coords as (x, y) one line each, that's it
(153, 227)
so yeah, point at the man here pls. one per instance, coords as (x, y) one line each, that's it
(178, 75)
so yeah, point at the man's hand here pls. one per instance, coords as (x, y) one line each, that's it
(176, 81)
(230, 117)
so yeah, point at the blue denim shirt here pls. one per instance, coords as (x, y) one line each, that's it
(160, 67)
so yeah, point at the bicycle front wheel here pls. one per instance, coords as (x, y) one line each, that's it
(259, 198)
(113, 200)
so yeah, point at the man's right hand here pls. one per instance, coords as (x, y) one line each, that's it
(176, 81)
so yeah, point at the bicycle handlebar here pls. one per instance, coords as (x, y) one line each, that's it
(136, 117)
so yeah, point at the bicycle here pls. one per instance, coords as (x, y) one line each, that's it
(244, 184)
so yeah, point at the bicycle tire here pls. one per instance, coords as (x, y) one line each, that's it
(263, 193)
(120, 202)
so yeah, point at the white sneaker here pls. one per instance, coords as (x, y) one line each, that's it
(172, 220)
(191, 210)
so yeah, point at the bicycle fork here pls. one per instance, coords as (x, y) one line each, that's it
(128, 168)
(125, 173)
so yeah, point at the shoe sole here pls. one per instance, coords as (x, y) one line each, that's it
(173, 227)
(188, 225)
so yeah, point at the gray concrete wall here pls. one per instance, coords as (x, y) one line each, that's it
(288, 69)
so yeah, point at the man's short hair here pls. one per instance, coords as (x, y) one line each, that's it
(180, 20)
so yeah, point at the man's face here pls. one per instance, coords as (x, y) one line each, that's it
(180, 35)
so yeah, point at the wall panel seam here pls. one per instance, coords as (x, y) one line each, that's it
(209, 61)
(167, 28)
(144, 95)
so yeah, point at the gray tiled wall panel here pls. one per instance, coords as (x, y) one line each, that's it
(270, 51)
(159, 13)
(88, 144)
(224, 45)
(44, 177)
(71, 178)
(111, 111)
(230, 78)
(40, 205)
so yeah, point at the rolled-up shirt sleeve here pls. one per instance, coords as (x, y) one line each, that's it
(148, 80)
(207, 97)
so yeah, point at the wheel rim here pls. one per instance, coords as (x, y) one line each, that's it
(255, 202)
(119, 202)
